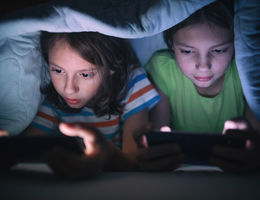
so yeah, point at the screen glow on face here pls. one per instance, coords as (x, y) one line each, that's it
(74, 78)
(203, 54)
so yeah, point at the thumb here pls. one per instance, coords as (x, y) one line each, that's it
(76, 130)
(140, 136)
(165, 129)
(3, 133)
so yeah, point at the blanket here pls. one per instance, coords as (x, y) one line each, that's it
(140, 21)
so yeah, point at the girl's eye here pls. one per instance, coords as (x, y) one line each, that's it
(56, 70)
(186, 51)
(87, 75)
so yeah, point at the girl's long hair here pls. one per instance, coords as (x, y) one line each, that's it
(107, 52)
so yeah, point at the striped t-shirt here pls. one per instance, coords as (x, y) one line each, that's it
(140, 95)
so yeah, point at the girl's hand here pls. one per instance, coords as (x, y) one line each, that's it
(3, 133)
(246, 159)
(7, 160)
(97, 153)
(165, 157)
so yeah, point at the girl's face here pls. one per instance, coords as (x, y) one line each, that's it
(203, 53)
(75, 79)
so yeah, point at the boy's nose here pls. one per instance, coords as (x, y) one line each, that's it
(71, 86)
(203, 63)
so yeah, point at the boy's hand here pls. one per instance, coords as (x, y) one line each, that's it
(236, 123)
(245, 159)
(69, 165)
(165, 157)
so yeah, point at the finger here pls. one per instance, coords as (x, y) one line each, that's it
(3, 133)
(165, 129)
(140, 136)
(84, 132)
(235, 124)
(229, 125)
(250, 145)
(143, 142)
(76, 130)
(158, 151)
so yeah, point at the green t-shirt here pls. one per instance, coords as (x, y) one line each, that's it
(189, 110)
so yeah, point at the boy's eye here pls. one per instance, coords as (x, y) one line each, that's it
(186, 51)
(219, 50)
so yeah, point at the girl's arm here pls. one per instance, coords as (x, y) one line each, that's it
(31, 131)
(100, 154)
(126, 159)
(134, 124)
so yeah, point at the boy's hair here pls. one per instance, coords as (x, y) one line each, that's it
(216, 13)
(110, 53)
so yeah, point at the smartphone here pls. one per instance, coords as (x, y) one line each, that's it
(196, 146)
(32, 148)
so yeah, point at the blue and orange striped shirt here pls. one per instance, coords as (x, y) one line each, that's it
(140, 95)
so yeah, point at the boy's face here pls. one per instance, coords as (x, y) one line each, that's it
(203, 53)
(75, 79)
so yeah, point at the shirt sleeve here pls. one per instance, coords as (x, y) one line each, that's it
(140, 93)
(159, 68)
(46, 119)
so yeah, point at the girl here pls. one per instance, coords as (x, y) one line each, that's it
(93, 84)
(199, 85)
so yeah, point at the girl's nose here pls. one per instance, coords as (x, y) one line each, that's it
(71, 86)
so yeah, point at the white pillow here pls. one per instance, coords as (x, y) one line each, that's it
(20, 75)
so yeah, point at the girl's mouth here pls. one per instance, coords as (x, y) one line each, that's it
(72, 101)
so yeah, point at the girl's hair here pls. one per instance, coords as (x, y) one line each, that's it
(216, 13)
(107, 52)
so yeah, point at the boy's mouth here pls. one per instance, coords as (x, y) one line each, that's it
(203, 78)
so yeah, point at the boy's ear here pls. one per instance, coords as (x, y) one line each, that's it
(172, 47)
(111, 72)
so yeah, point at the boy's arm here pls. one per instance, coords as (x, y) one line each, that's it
(160, 114)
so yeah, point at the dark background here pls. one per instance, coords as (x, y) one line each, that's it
(9, 6)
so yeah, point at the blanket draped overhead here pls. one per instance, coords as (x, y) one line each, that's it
(140, 21)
